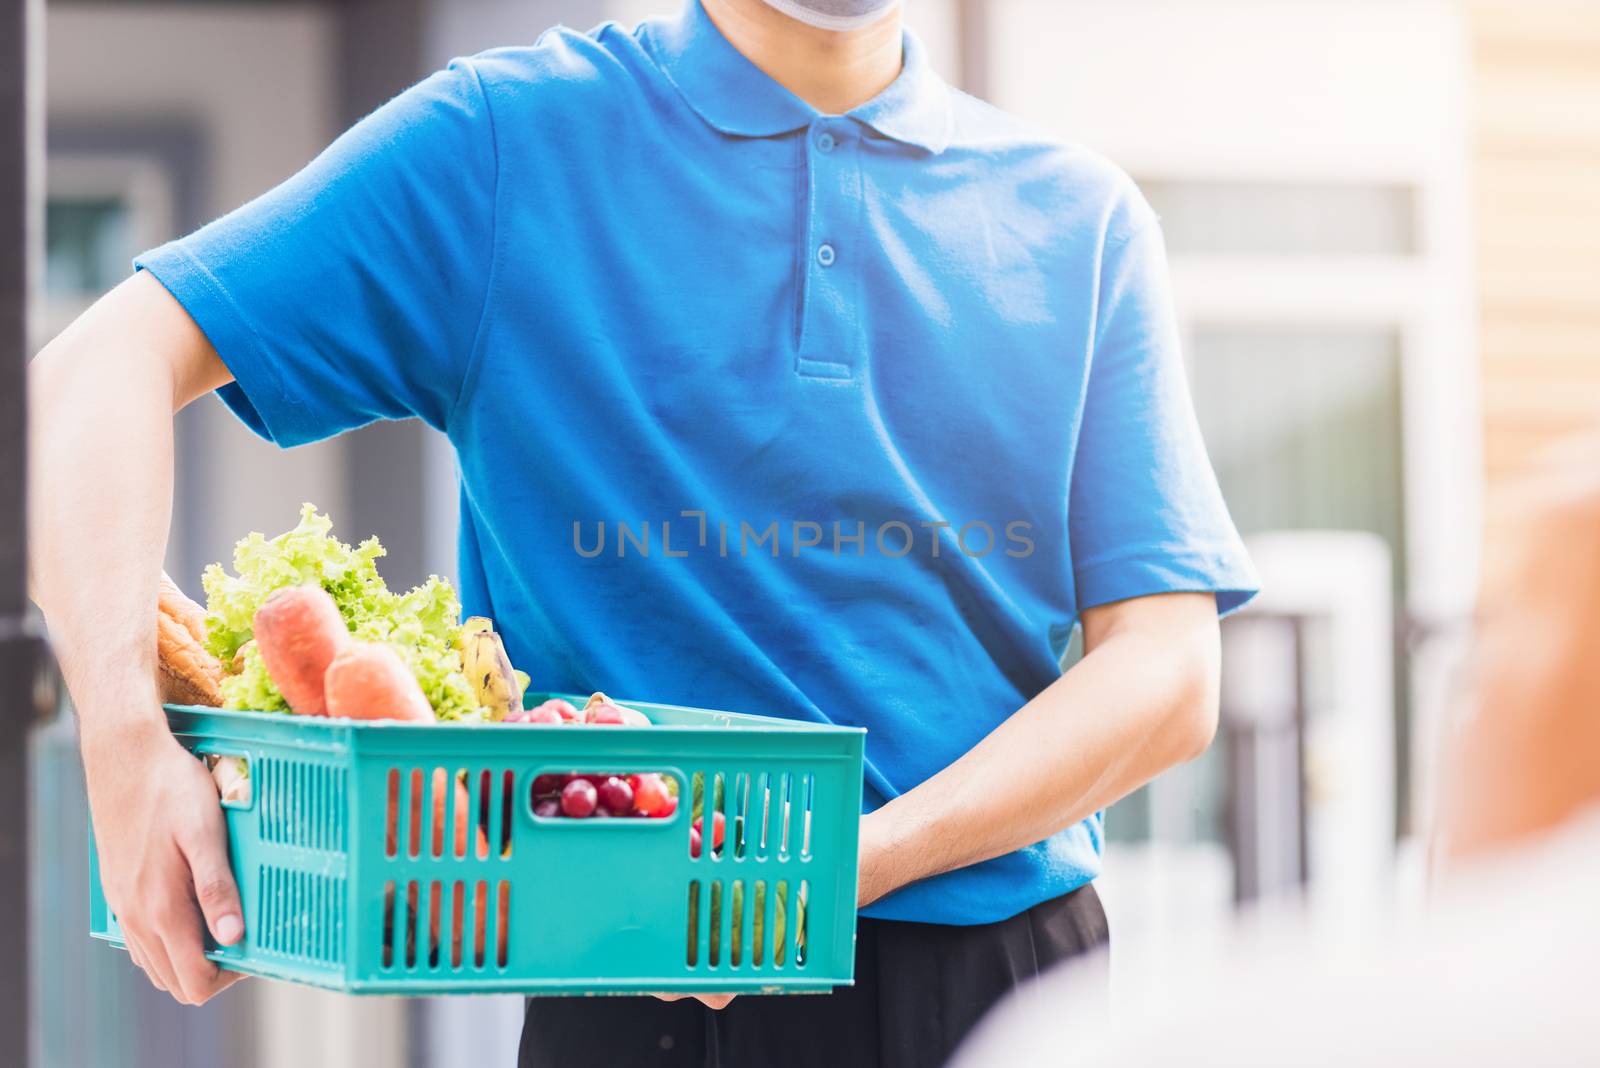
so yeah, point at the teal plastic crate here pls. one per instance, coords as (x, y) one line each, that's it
(363, 870)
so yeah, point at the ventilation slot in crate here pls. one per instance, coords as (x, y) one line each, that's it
(441, 813)
(763, 815)
(302, 915)
(438, 925)
(747, 923)
(708, 816)
(302, 804)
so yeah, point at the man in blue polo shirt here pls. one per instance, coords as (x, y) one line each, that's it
(783, 377)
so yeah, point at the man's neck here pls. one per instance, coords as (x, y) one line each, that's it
(831, 70)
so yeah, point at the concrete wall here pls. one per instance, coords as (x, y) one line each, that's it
(254, 85)
(254, 88)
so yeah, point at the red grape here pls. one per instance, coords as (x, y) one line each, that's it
(548, 808)
(617, 796)
(548, 785)
(554, 710)
(578, 798)
(718, 826)
(650, 795)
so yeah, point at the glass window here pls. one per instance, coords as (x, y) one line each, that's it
(1303, 426)
(88, 246)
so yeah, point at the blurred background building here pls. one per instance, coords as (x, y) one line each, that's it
(1386, 253)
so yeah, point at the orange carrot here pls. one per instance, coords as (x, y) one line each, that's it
(368, 680)
(463, 817)
(299, 631)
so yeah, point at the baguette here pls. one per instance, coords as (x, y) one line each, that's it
(187, 673)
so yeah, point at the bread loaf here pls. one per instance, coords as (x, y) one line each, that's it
(187, 674)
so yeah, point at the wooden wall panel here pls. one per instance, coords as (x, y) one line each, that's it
(1537, 208)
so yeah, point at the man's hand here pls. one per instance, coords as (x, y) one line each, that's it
(872, 882)
(715, 1001)
(1143, 698)
(163, 849)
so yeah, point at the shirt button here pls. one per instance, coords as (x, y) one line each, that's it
(825, 255)
(825, 142)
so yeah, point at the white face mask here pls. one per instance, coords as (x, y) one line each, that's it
(834, 14)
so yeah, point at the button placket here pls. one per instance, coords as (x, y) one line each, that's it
(829, 336)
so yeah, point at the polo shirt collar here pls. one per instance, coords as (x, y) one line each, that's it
(736, 97)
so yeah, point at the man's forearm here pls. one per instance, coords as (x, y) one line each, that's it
(100, 498)
(103, 397)
(1142, 699)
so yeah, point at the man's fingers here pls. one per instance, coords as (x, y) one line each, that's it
(157, 967)
(225, 979)
(214, 888)
(714, 1001)
(140, 961)
(156, 964)
(198, 978)
(133, 950)
(204, 846)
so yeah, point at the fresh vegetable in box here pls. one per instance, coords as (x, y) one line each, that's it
(422, 625)
(307, 626)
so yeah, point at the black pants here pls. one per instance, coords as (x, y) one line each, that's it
(919, 989)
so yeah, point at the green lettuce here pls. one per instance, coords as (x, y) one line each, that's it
(423, 624)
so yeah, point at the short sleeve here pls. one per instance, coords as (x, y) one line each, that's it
(353, 291)
(1146, 515)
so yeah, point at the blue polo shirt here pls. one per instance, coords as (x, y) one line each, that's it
(834, 417)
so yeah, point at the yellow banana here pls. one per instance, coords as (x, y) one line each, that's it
(484, 660)
(485, 625)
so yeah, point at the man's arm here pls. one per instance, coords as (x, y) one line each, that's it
(1142, 699)
(102, 398)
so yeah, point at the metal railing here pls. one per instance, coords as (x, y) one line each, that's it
(1265, 717)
